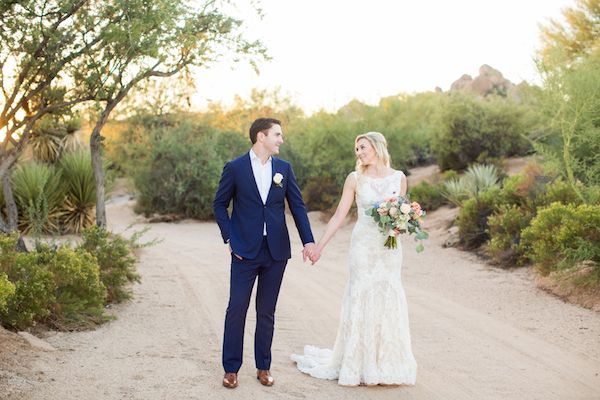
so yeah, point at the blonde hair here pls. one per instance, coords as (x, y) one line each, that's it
(379, 143)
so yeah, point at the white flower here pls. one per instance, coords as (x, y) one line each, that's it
(383, 205)
(277, 178)
(405, 208)
(393, 211)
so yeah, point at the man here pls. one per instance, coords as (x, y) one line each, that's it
(258, 241)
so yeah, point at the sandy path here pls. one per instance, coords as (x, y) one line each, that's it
(478, 332)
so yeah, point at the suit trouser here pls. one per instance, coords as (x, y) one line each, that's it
(243, 275)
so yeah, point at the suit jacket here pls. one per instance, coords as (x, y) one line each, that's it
(244, 229)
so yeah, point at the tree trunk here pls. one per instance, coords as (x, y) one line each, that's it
(96, 151)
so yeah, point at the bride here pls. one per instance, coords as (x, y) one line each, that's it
(373, 340)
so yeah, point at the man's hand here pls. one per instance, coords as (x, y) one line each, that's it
(307, 251)
(231, 251)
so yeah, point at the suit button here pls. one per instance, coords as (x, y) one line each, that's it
(264, 206)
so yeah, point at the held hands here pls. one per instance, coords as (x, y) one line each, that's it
(311, 252)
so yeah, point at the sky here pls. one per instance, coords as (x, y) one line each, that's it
(326, 53)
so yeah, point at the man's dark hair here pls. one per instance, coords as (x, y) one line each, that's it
(261, 124)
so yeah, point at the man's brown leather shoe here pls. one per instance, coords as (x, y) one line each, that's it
(264, 376)
(230, 380)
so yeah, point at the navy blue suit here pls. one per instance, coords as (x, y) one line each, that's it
(264, 257)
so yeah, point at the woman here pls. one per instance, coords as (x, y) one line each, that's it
(373, 340)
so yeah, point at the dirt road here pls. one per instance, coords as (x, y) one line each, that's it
(478, 332)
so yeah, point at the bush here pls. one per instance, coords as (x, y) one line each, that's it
(472, 219)
(115, 259)
(59, 287)
(478, 130)
(7, 289)
(428, 195)
(180, 172)
(78, 292)
(561, 236)
(505, 228)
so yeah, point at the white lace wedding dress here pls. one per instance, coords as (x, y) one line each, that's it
(373, 340)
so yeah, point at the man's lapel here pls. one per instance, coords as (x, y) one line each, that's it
(274, 170)
(251, 177)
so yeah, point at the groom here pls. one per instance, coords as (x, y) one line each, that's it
(258, 241)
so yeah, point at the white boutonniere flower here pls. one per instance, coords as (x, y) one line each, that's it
(277, 179)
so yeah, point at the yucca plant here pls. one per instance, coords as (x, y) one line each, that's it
(45, 147)
(38, 194)
(78, 210)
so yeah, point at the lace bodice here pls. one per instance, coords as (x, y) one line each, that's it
(371, 191)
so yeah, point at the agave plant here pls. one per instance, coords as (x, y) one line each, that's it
(78, 210)
(477, 179)
(38, 194)
(480, 177)
(455, 190)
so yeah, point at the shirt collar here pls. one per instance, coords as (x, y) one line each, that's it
(254, 157)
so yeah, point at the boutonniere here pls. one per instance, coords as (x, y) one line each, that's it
(277, 179)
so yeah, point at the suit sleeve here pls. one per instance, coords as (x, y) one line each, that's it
(222, 200)
(298, 209)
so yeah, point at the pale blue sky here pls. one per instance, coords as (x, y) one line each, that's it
(327, 52)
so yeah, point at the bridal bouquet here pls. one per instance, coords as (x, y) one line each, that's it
(395, 216)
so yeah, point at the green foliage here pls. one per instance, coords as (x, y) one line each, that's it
(115, 258)
(429, 196)
(78, 209)
(472, 219)
(62, 287)
(38, 194)
(478, 131)
(561, 236)
(7, 289)
(476, 180)
(180, 171)
(570, 144)
(78, 295)
(505, 226)
(56, 286)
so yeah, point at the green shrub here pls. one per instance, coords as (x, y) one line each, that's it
(7, 289)
(115, 259)
(562, 235)
(34, 286)
(472, 219)
(59, 287)
(429, 196)
(78, 292)
(478, 130)
(179, 174)
(505, 226)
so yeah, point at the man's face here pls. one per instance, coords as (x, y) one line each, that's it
(272, 138)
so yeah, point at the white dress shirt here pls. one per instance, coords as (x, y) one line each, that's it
(262, 176)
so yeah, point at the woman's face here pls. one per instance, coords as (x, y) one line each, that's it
(365, 152)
